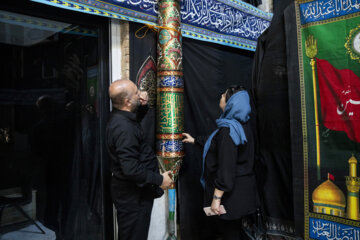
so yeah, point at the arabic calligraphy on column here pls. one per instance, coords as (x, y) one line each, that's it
(323, 229)
(325, 9)
(171, 116)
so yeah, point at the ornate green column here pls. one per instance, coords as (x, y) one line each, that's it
(170, 88)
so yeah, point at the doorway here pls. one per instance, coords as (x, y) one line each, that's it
(51, 127)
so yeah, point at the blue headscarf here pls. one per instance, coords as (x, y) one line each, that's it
(237, 111)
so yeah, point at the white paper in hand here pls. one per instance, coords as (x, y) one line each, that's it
(209, 212)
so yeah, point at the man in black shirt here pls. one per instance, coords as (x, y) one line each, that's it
(135, 174)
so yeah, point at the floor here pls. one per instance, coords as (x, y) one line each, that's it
(29, 232)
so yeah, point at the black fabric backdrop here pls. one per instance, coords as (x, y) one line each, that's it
(295, 118)
(270, 87)
(208, 70)
(271, 94)
(270, 81)
(140, 50)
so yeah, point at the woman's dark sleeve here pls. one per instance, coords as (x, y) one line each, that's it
(227, 154)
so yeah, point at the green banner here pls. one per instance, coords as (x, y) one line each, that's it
(329, 58)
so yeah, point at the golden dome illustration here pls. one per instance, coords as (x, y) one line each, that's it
(329, 193)
(329, 199)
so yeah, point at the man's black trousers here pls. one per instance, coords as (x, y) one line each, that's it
(134, 220)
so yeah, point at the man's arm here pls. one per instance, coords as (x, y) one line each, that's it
(127, 150)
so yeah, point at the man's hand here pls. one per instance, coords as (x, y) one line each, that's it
(144, 98)
(167, 181)
(188, 138)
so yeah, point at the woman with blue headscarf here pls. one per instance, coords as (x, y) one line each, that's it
(228, 175)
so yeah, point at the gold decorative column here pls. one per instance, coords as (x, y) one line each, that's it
(311, 52)
(353, 186)
(170, 100)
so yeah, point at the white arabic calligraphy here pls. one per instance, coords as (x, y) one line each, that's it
(147, 5)
(223, 18)
(333, 231)
(340, 112)
(323, 9)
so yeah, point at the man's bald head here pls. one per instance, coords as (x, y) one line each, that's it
(120, 91)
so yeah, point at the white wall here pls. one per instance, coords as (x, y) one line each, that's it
(266, 6)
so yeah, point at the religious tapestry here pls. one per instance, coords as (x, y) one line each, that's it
(146, 80)
(329, 67)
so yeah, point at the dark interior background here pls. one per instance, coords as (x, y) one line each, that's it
(56, 149)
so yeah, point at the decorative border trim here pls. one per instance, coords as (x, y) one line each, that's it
(169, 136)
(170, 154)
(170, 89)
(303, 1)
(337, 19)
(277, 227)
(248, 8)
(319, 10)
(169, 73)
(335, 218)
(304, 123)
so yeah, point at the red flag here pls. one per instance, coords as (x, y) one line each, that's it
(331, 177)
(340, 99)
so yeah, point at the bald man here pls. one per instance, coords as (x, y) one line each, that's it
(135, 175)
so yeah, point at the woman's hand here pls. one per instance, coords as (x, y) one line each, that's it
(188, 138)
(215, 206)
